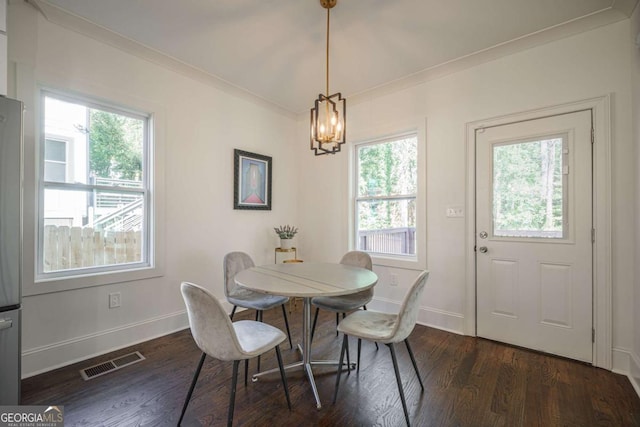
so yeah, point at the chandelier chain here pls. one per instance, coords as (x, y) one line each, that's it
(328, 14)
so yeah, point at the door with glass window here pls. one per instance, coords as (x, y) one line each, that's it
(534, 234)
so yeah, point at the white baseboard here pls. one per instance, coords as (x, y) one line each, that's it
(52, 356)
(427, 316)
(634, 372)
(627, 363)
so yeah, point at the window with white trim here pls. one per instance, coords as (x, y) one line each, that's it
(94, 203)
(385, 191)
(55, 159)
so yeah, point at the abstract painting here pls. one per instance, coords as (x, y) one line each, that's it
(252, 181)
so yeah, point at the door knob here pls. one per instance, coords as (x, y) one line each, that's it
(483, 249)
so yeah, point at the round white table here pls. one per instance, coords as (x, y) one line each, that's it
(307, 280)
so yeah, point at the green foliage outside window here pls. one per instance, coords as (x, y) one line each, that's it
(387, 169)
(115, 146)
(527, 186)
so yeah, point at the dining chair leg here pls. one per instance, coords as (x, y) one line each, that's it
(246, 371)
(359, 345)
(283, 376)
(413, 360)
(233, 311)
(375, 342)
(259, 314)
(313, 327)
(232, 398)
(399, 381)
(348, 359)
(286, 323)
(344, 346)
(193, 385)
(338, 321)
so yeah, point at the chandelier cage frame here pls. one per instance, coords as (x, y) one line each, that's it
(329, 112)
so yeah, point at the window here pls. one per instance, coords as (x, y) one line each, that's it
(94, 199)
(385, 203)
(529, 188)
(55, 160)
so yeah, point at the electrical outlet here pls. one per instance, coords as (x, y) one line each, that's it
(394, 280)
(115, 300)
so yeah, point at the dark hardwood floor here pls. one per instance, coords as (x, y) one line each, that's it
(468, 382)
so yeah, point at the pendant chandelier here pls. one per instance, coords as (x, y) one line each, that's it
(328, 114)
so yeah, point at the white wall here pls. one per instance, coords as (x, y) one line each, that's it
(3, 47)
(587, 65)
(200, 126)
(635, 82)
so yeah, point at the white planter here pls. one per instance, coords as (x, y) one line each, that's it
(286, 243)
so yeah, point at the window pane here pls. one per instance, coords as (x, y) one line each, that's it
(65, 141)
(115, 148)
(107, 146)
(388, 168)
(387, 226)
(528, 190)
(54, 172)
(90, 229)
(55, 150)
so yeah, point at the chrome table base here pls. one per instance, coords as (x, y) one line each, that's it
(306, 362)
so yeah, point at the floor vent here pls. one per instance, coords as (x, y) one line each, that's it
(111, 365)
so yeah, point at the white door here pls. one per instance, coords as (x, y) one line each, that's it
(534, 234)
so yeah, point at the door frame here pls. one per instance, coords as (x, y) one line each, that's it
(601, 168)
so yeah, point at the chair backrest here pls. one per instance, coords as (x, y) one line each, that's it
(234, 263)
(363, 260)
(357, 259)
(211, 327)
(408, 314)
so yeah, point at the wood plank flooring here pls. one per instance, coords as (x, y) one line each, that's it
(468, 382)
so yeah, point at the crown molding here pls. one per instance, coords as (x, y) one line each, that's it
(85, 27)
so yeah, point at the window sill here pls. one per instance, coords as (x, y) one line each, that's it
(405, 263)
(60, 284)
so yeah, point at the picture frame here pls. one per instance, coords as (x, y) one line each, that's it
(252, 181)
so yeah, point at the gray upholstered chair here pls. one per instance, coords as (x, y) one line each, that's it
(235, 262)
(346, 303)
(218, 337)
(388, 329)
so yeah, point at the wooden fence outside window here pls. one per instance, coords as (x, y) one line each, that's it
(80, 247)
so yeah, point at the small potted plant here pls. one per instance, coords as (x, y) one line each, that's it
(286, 233)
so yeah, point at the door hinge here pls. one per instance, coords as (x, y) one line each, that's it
(593, 335)
(593, 136)
(593, 235)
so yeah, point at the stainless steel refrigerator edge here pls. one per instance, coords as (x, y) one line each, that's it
(10, 249)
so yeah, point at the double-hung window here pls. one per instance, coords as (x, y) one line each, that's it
(94, 204)
(385, 196)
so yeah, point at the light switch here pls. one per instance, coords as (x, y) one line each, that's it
(455, 212)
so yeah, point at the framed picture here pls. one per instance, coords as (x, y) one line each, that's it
(252, 181)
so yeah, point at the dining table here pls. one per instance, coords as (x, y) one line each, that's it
(306, 280)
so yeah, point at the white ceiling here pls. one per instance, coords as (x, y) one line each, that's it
(276, 49)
